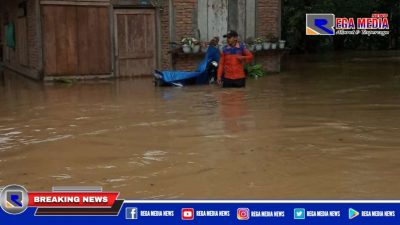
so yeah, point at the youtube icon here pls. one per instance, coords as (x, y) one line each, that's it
(187, 214)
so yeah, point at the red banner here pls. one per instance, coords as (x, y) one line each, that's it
(72, 199)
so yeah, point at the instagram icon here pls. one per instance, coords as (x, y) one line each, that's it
(243, 213)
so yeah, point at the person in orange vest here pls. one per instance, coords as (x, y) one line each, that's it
(231, 64)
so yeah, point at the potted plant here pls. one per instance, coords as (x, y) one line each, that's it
(254, 71)
(186, 44)
(259, 44)
(250, 44)
(195, 45)
(267, 43)
(282, 44)
(274, 41)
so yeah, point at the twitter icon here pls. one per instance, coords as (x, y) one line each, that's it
(299, 214)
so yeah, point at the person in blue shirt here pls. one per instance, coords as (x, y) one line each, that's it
(213, 50)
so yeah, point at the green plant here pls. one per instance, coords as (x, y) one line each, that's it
(189, 41)
(254, 71)
(259, 40)
(64, 80)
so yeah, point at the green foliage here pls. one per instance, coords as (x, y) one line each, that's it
(64, 80)
(259, 40)
(254, 71)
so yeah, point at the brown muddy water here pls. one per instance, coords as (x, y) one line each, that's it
(327, 127)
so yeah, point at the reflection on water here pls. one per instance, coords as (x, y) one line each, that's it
(233, 109)
(327, 127)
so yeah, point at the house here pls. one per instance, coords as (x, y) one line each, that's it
(117, 38)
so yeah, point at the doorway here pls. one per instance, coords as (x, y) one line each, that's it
(135, 42)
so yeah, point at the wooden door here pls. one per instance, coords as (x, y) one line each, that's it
(135, 42)
(76, 40)
(212, 18)
(216, 17)
(60, 40)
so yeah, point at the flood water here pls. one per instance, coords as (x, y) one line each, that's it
(327, 127)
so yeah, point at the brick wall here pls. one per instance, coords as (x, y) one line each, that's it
(270, 60)
(268, 22)
(165, 38)
(188, 63)
(10, 7)
(33, 35)
(184, 10)
(268, 17)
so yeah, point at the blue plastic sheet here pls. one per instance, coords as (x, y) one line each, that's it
(200, 73)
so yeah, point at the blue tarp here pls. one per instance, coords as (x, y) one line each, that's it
(201, 71)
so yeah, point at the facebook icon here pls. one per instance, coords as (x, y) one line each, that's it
(131, 213)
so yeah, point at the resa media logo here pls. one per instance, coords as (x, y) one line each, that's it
(320, 24)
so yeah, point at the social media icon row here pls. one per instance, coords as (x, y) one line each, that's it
(132, 213)
(300, 213)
